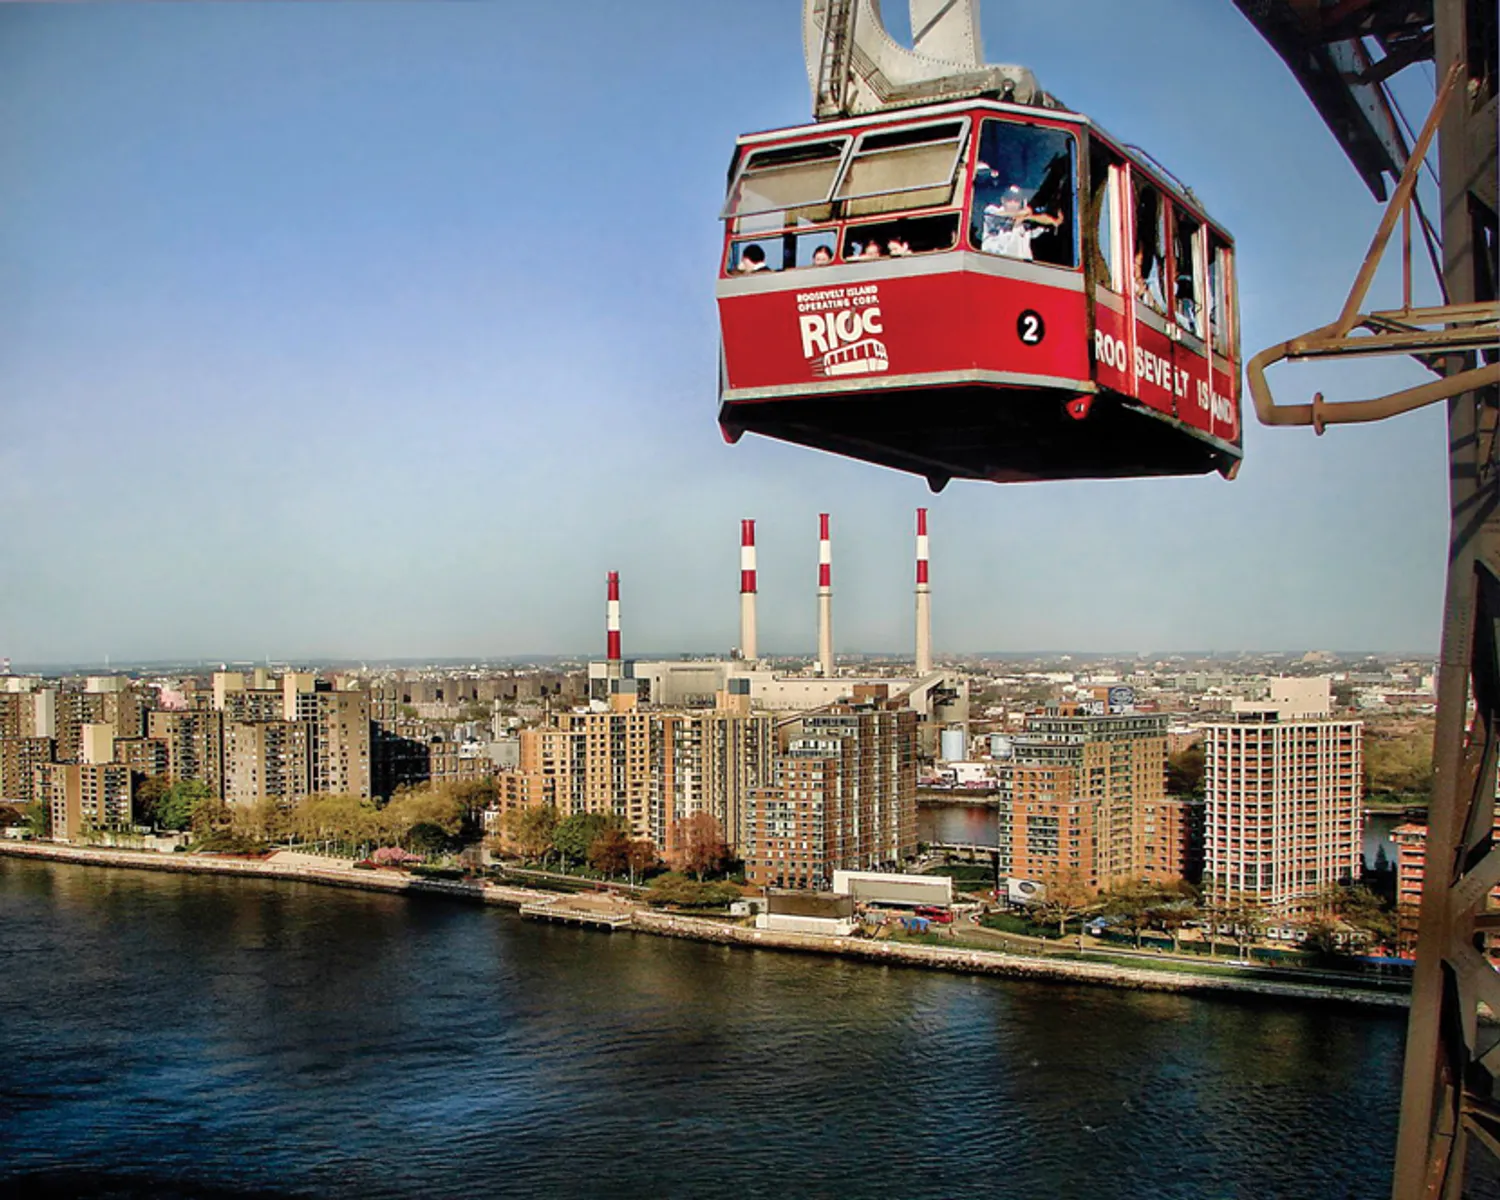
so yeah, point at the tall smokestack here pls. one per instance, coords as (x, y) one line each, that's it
(612, 625)
(747, 590)
(924, 600)
(825, 599)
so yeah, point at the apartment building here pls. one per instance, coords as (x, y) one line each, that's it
(338, 725)
(606, 768)
(267, 759)
(19, 758)
(82, 798)
(1282, 805)
(707, 762)
(842, 796)
(195, 744)
(1082, 787)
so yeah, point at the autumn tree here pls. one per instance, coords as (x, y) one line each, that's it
(530, 830)
(610, 852)
(640, 858)
(1067, 896)
(698, 845)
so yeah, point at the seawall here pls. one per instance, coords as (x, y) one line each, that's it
(1012, 966)
(331, 876)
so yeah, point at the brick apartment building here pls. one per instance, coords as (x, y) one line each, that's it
(842, 796)
(1085, 786)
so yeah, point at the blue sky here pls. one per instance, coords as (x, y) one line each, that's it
(386, 330)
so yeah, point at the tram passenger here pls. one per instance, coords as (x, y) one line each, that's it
(871, 249)
(1010, 225)
(752, 259)
(898, 247)
(822, 256)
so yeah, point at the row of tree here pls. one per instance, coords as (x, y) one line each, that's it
(604, 842)
(1142, 907)
(427, 820)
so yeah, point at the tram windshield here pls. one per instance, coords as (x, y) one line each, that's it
(1024, 194)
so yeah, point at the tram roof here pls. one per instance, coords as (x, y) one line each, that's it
(1160, 175)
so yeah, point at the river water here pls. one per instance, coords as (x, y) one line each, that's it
(173, 1035)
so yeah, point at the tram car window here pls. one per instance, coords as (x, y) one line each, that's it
(785, 185)
(921, 235)
(901, 169)
(1188, 294)
(1032, 164)
(1220, 307)
(1106, 179)
(1150, 247)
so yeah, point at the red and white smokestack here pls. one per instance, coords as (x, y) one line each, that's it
(825, 598)
(747, 590)
(612, 625)
(924, 600)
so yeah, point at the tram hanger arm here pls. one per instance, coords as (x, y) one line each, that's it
(1466, 328)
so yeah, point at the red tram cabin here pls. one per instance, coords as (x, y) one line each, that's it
(977, 290)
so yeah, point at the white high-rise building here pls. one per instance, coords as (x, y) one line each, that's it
(1282, 794)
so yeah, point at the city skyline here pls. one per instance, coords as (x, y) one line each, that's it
(315, 338)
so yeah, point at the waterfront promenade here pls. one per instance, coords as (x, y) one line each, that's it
(308, 868)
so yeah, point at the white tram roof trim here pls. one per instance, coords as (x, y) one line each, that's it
(1159, 173)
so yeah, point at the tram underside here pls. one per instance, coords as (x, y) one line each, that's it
(1004, 435)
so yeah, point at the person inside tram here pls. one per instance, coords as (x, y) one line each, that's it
(1011, 225)
(752, 259)
(898, 247)
(871, 249)
(1150, 250)
(822, 256)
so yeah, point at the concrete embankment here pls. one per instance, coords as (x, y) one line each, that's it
(269, 868)
(993, 962)
(663, 924)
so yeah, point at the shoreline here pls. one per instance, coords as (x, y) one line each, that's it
(656, 923)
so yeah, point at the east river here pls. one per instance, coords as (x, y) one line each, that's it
(166, 1035)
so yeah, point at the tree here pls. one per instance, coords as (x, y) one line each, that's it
(1246, 920)
(149, 793)
(1359, 907)
(38, 819)
(1185, 772)
(577, 834)
(12, 814)
(1067, 896)
(427, 838)
(699, 845)
(1398, 759)
(180, 801)
(610, 852)
(640, 858)
(531, 830)
(209, 816)
(676, 888)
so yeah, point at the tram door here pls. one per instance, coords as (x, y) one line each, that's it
(1114, 333)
